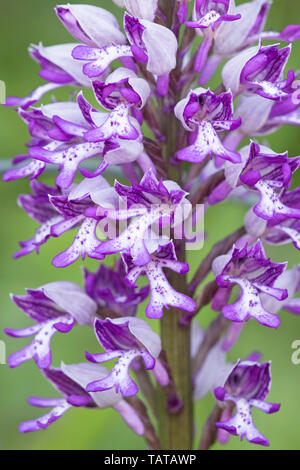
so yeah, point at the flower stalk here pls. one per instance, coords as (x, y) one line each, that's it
(176, 429)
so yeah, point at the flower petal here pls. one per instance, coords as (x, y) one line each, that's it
(99, 59)
(91, 25)
(84, 243)
(207, 143)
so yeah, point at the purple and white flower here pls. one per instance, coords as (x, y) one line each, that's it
(231, 38)
(125, 339)
(83, 23)
(71, 381)
(107, 287)
(209, 14)
(247, 387)
(261, 116)
(57, 67)
(71, 151)
(149, 42)
(205, 114)
(148, 202)
(58, 212)
(279, 230)
(162, 293)
(55, 307)
(267, 173)
(121, 91)
(250, 269)
(259, 70)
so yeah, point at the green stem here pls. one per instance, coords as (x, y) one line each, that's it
(176, 429)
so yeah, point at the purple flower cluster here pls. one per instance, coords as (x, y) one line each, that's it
(176, 144)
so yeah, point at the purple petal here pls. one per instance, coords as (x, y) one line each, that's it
(85, 243)
(249, 305)
(119, 377)
(72, 299)
(99, 59)
(34, 97)
(241, 424)
(91, 25)
(39, 349)
(83, 374)
(270, 206)
(207, 143)
(33, 169)
(68, 159)
(44, 421)
(41, 236)
(117, 124)
(163, 295)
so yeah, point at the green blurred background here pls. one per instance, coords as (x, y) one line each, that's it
(32, 21)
